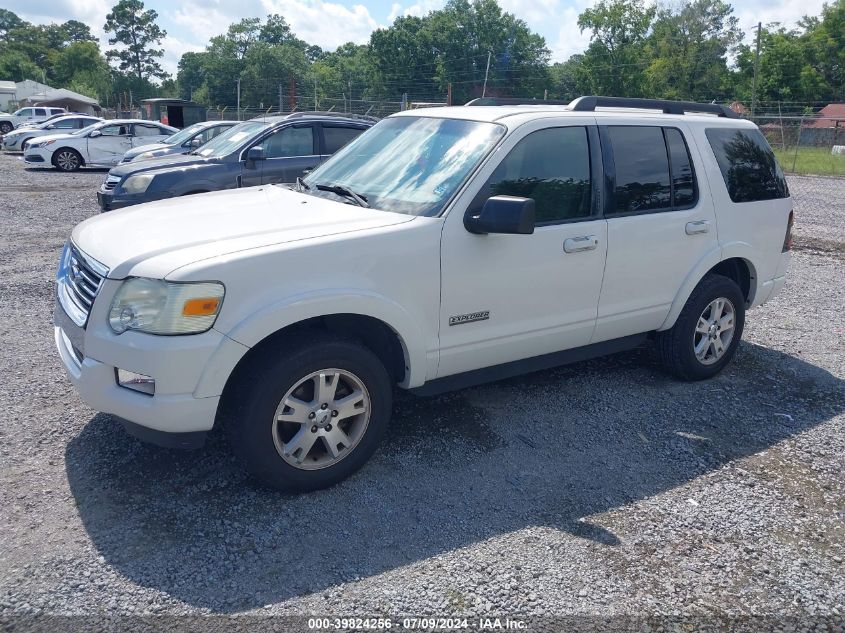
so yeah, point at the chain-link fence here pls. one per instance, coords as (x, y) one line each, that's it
(807, 145)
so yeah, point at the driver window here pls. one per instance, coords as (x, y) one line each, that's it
(115, 130)
(551, 166)
(290, 141)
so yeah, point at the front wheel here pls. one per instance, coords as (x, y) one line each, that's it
(707, 332)
(67, 159)
(5, 127)
(310, 415)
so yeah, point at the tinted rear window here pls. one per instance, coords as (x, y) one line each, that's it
(337, 137)
(748, 165)
(642, 169)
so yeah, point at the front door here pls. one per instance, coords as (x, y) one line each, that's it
(109, 148)
(658, 226)
(510, 297)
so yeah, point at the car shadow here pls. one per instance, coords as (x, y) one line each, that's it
(549, 449)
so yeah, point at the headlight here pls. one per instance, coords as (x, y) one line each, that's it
(162, 307)
(45, 143)
(137, 184)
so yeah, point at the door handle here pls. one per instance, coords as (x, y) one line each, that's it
(580, 244)
(699, 226)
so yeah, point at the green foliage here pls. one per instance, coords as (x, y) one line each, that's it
(135, 30)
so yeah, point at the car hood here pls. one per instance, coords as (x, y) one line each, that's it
(135, 151)
(180, 160)
(156, 238)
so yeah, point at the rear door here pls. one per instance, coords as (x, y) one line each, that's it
(110, 147)
(658, 226)
(289, 152)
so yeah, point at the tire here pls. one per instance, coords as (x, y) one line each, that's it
(24, 142)
(5, 127)
(696, 330)
(67, 159)
(296, 456)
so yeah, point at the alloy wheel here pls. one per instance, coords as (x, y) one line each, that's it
(714, 331)
(67, 161)
(321, 419)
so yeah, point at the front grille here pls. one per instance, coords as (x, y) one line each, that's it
(111, 183)
(80, 279)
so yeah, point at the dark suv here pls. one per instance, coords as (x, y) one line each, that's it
(275, 149)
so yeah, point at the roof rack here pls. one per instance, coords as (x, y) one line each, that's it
(589, 104)
(348, 115)
(508, 101)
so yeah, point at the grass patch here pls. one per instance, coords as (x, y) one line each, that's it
(811, 161)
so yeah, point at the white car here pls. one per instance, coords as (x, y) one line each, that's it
(68, 124)
(9, 122)
(99, 145)
(439, 249)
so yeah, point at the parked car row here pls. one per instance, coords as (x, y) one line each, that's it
(153, 161)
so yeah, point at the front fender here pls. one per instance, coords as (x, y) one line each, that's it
(257, 326)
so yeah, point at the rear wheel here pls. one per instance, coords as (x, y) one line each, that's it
(67, 159)
(311, 416)
(707, 332)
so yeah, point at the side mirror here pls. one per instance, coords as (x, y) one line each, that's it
(197, 143)
(254, 155)
(503, 214)
(95, 134)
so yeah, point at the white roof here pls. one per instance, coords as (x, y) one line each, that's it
(8, 86)
(514, 115)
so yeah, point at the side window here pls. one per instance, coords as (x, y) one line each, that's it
(337, 137)
(684, 193)
(290, 141)
(642, 169)
(748, 165)
(551, 166)
(67, 124)
(115, 130)
(24, 112)
(147, 130)
(56, 111)
(40, 112)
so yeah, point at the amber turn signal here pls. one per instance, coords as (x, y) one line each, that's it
(201, 307)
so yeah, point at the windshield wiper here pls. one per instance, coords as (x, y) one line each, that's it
(346, 192)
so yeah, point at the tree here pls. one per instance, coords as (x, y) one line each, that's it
(614, 63)
(135, 29)
(563, 78)
(8, 22)
(689, 45)
(76, 31)
(15, 66)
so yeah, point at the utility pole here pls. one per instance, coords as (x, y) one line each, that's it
(449, 94)
(486, 73)
(281, 103)
(239, 98)
(315, 94)
(756, 70)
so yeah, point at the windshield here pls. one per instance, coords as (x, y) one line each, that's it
(230, 140)
(409, 165)
(183, 135)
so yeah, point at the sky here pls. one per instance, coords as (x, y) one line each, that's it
(329, 23)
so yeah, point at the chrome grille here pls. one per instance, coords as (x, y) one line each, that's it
(79, 281)
(111, 182)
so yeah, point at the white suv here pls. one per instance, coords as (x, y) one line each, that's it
(441, 249)
(9, 122)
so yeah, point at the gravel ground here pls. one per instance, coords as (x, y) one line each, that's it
(603, 487)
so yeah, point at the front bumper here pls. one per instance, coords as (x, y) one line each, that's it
(176, 362)
(111, 200)
(37, 157)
